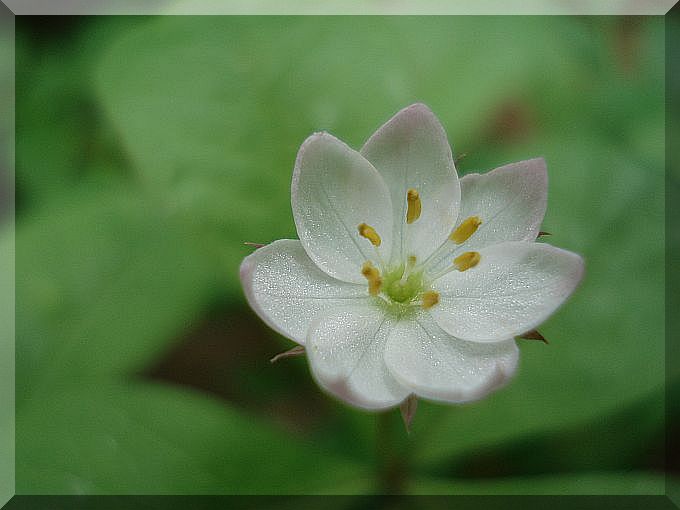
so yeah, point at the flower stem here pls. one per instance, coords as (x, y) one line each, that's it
(392, 454)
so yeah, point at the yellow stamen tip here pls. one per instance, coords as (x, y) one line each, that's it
(367, 268)
(414, 205)
(372, 274)
(411, 260)
(369, 233)
(465, 230)
(430, 298)
(467, 260)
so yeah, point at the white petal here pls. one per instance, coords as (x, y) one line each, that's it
(511, 202)
(345, 350)
(411, 151)
(287, 290)
(513, 289)
(334, 190)
(435, 365)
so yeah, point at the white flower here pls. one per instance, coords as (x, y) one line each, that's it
(405, 279)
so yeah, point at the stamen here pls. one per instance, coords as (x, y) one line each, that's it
(372, 274)
(430, 298)
(369, 233)
(414, 206)
(467, 260)
(465, 230)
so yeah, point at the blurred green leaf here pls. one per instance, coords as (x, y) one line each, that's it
(104, 282)
(596, 484)
(61, 135)
(148, 439)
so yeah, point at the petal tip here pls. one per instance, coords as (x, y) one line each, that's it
(539, 165)
(314, 137)
(580, 268)
(338, 388)
(418, 107)
(536, 166)
(499, 377)
(306, 150)
(327, 141)
(417, 112)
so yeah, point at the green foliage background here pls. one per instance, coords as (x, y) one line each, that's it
(149, 149)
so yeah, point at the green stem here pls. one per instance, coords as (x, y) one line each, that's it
(392, 454)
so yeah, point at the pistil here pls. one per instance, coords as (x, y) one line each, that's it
(410, 264)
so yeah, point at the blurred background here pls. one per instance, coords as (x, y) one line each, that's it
(148, 149)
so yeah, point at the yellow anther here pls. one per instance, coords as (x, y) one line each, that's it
(411, 260)
(467, 260)
(430, 298)
(465, 230)
(367, 269)
(372, 274)
(369, 233)
(414, 205)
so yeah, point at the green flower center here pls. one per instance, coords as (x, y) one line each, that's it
(402, 290)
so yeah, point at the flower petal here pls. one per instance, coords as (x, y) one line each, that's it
(411, 151)
(510, 201)
(345, 350)
(435, 365)
(334, 190)
(513, 289)
(287, 290)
